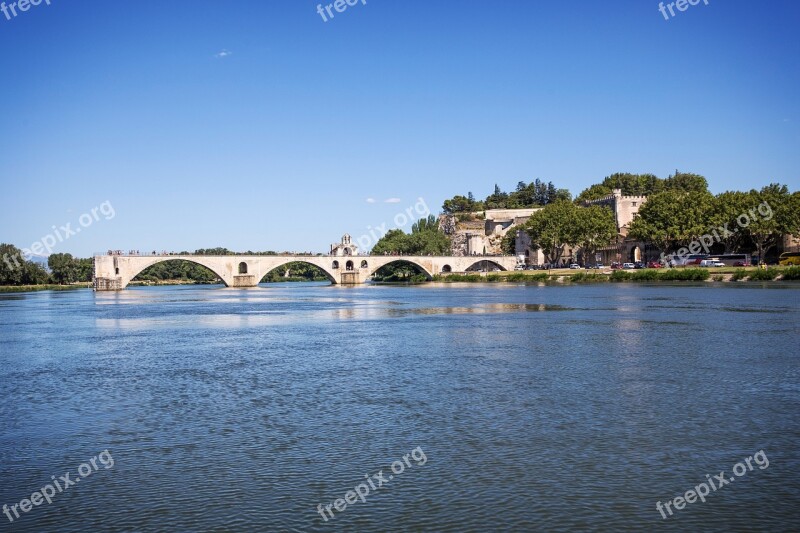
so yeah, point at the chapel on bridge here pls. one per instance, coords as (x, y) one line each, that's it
(344, 248)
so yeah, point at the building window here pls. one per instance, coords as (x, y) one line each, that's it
(335, 265)
(633, 204)
(242, 268)
(363, 264)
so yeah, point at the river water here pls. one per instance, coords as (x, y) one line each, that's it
(517, 408)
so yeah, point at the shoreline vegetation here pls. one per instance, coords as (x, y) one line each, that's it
(559, 276)
(44, 287)
(791, 273)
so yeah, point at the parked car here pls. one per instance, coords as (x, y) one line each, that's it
(519, 267)
(711, 263)
(628, 266)
(638, 265)
(599, 265)
(719, 264)
(615, 266)
(654, 264)
(574, 266)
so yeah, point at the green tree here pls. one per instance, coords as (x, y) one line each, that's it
(552, 228)
(509, 243)
(595, 227)
(11, 265)
(774, 212)
(214, 251)
(595, 192)
(85, 269)
(673, 218)
(63, 268)
(395, 242)
(726, 207)
(688, 182)
(34, 274)
(461, 204)
(497, 200)
(425, 239)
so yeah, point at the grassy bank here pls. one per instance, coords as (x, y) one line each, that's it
(35, 288)
(644, 275)
(149, 283)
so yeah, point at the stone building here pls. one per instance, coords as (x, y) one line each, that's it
(482, 233)
(625, 250)
(789, 243)
(344, 248)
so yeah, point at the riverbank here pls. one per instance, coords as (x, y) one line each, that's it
(724, 275)
(46, 287)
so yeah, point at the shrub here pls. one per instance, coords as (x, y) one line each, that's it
(542, 276)
(516, 276)
(792, 273)
(620, 275)
(763, 275)
(718, 277)
(686, 274)
(649, 274)
(739, 274)
(587, 277)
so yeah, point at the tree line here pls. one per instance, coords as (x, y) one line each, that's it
(15, 270)
(534, 194)
(678, 212)
(729, 222)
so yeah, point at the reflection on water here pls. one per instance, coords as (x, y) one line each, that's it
(539, 407)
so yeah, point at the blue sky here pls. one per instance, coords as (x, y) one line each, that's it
(256, 125)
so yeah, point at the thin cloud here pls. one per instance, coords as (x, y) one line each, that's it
(223, 53)
(370, 200)
(393, 200)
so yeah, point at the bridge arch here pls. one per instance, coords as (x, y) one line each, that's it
(416, 265)
(485, 263)
(134, 271)
(319, 265)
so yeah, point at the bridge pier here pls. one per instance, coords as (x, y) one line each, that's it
(244, 280)
(349, 278)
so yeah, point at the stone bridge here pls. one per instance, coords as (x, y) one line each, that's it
(114, 272)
